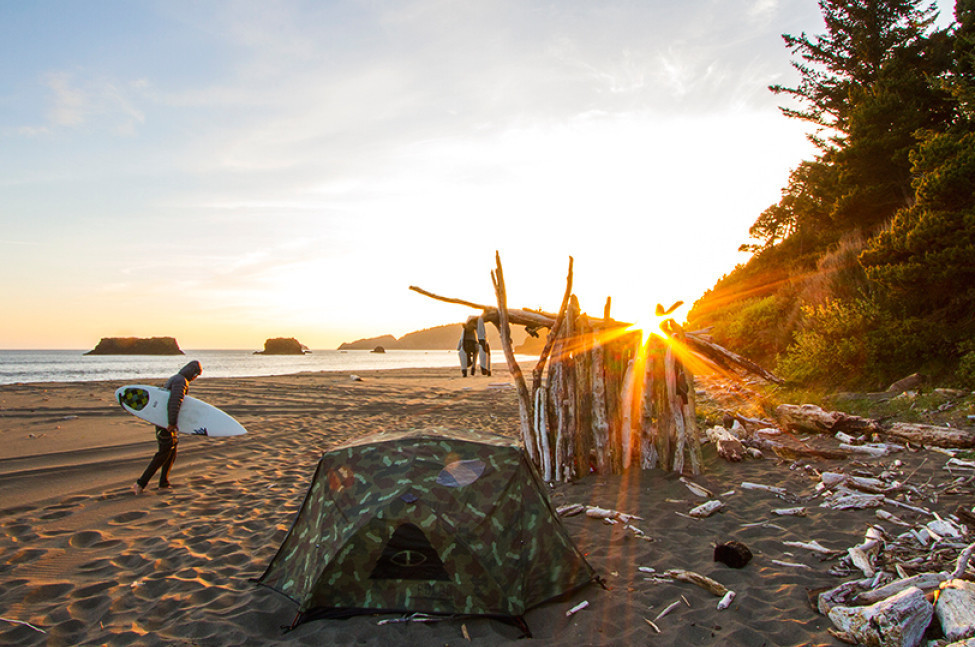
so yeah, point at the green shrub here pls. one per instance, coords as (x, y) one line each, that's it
(756, 330)
(966, 364)
(830, 348)
(901, 346)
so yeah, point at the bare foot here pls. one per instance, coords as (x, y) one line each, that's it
(137, 489)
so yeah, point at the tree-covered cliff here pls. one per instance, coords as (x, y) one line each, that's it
(864, 270)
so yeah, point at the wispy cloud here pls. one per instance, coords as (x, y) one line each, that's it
(78, 101)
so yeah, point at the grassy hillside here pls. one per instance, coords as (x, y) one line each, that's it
(438, 338)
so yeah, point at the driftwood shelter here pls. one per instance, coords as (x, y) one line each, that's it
(602, 397)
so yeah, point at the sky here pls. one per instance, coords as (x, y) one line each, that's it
(226, 172)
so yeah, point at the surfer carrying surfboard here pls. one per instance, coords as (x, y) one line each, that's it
(167, 437)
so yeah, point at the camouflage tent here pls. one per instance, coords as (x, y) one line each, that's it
(437, 521)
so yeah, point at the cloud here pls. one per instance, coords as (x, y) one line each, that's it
(94, 102)
(763, 8)
(70, 105)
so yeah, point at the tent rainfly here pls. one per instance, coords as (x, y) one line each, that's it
(432, 521)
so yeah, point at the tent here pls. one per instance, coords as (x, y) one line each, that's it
(431, 521)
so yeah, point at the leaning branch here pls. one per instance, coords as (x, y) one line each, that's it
(527, 318)
(461, 302)
(553, 333)
(727, 359)
(527, 431)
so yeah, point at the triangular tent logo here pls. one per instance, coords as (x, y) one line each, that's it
(408, 555)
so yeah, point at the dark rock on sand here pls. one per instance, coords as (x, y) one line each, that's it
(732, 553)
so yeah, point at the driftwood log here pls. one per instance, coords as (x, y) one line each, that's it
(898, 620)
(956, 609)
(930, 435)
(808, 418)
(728, 445)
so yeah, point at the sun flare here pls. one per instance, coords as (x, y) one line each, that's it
(653, 322)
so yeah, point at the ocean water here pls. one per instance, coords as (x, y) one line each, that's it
(74, 366)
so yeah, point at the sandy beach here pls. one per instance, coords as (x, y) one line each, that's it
(84, 561)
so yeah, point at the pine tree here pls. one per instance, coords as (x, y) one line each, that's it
(861, 37)
(926, 258)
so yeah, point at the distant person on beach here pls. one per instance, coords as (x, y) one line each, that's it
(467, 347)
(168, 437)
(485, 350)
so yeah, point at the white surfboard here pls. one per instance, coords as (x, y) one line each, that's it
(196, 417)
(485, 357)
(483, 352)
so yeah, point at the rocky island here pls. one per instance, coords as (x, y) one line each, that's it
(283, 346)
(136, 346)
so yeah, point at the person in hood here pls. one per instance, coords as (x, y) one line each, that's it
(467, 347)
(167, 437)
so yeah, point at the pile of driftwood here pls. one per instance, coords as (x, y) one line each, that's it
(601, 400)
(797, 431)
(910, 574)
(913, 573)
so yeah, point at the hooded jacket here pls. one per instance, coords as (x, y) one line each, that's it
(177, 386)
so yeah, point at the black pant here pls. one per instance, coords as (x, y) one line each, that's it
(470, 350)
(165, 457)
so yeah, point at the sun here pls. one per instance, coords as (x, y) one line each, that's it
(648, 327)
(653, 322)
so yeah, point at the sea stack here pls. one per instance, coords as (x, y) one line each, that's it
(136, 346)
(283, 346)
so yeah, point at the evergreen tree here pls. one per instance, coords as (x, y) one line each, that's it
(926, 258)
(869, 81)
(861, 37)
(961, 82)
(804, 210)
(883, 123)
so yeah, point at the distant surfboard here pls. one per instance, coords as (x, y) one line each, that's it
(196, 417)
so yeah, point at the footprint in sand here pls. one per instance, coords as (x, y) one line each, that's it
(85, 538)
(70, 631)
(234, 560)
(25, 556)
(149, 543)
(128, 517)
(91, 606)
(95, 565)
(94, 589)
(207, 596)
(47, 592)
(57, 532)
(21, 532)
(130, 562)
